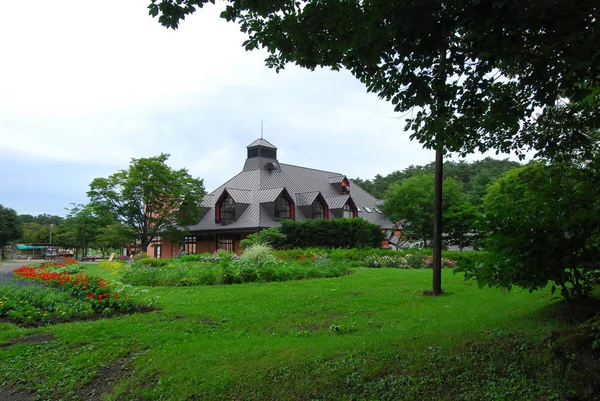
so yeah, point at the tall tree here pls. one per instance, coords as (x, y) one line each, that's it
(81, 227)
(476, 71)
(150, 197)
(10, 227)
(114, 235)
(35, 233)
(37, 229)
(411, 201)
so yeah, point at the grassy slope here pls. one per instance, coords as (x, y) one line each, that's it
(326, 339)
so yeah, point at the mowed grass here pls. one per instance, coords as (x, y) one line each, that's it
(336, 338)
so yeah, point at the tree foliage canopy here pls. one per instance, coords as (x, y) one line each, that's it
(411, 202)
(149, 197)
(474, 176)
(80, 229)
(480, 74)
(42, 219)
(543, 225)
(10, 226)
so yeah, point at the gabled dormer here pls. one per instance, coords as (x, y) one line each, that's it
(230, 205)
(341, 184)
(284, 207)
(342, 206)
(312, 205)
(276, 203)
(262, 155)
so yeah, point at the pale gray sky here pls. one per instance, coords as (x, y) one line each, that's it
(85, 86)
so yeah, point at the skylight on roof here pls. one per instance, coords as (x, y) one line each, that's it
(377, 210)
(368, 210)
(358, 209)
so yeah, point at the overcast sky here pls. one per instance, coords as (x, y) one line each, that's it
(87, 86)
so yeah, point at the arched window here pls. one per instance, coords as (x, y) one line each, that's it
(227, 209)
(283, 208)
(318, 211)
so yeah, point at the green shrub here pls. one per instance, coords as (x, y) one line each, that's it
(69, 269)
(230, 271)
(271, 236)
(115, 267)
(230, 275)
(336, 254)
(202, 257)
(152, 262)
(336, 233)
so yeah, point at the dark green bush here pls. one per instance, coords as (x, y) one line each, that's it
(336, 254)
(336, 233)
(151, 262)
(270, 236)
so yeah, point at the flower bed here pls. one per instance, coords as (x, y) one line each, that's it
(408, 261)
(47, 294)
(101, 294)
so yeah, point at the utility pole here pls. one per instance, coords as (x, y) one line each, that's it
(51, 233)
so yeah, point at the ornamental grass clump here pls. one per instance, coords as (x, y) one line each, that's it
(257, 256)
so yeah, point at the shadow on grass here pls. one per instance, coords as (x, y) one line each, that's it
(95, 316)
(569, 313)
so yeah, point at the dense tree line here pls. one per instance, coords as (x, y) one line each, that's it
(474, 176)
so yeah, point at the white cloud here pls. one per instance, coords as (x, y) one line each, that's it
(86, 86)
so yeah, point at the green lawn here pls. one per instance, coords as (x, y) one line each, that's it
(369, 335)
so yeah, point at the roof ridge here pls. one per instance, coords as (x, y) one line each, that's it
(308, 168)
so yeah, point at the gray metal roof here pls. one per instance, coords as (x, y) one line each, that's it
(267, 195)
(259, 187)
(208, 201)
(240, 195)
(337, 202)
(306, 198)
(336, 179)
(261, 142)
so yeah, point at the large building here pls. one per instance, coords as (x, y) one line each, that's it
(266, 192)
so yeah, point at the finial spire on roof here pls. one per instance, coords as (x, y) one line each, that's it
(261, 129)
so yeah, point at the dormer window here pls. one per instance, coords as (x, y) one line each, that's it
(317, 209)
(227, 212)
(283, 208)
(350, 211)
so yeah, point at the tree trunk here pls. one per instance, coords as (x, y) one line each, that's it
(437, 222)
(439, 176)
